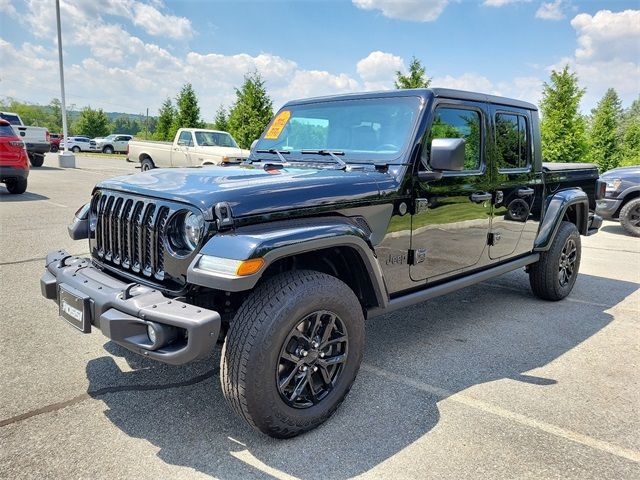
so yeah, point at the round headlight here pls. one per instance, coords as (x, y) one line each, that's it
(193, 229)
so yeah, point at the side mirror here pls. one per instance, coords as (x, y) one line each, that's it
(447, 154)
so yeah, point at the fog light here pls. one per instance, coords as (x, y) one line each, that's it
(160, 335)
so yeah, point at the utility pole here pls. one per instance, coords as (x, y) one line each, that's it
(65, 158)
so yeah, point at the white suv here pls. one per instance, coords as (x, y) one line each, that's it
(115, 143)
(78, 144)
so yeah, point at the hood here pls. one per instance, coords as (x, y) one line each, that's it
(252, 191)
(621, 172)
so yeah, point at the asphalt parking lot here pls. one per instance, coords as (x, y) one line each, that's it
(488, 382)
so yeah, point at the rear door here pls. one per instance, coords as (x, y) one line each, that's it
(453, 215)
(515, 181)
(120, 143)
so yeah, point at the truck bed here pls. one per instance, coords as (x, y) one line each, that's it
(582, 175)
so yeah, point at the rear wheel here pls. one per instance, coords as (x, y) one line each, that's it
(36, 159)
(630, 217)
(292, 352)
(553, 276)
(17, 186)
(146, 164)
(75, 149)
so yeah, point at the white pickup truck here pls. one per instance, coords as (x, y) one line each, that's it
(36, 139)
(192, 147)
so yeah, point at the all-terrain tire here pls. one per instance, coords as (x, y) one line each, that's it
(146, 164)
(546, 275)
(250, 355)
(630, 217)
(17, 186)
(36, 160)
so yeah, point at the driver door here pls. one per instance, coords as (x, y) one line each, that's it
(182, 151)
(452, 215)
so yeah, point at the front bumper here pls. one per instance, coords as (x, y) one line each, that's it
(607, 207)
(123, 311)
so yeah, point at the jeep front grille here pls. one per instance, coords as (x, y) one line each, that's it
(129, 233)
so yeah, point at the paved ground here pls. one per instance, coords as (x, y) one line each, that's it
(488, 382)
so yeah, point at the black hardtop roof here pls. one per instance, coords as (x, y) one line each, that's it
(425, 93)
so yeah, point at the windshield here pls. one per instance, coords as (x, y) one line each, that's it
(6, 131)
(371, 129)
(12, 119)
(215, 139)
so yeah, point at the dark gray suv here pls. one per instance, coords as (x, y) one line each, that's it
(622, 199)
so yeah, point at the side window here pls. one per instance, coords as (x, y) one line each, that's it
(185, 139)
(457, 123)
(512, 141)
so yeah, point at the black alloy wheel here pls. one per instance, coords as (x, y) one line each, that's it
(567, 262)
(312, 359)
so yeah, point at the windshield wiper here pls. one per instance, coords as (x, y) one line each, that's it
(332, 153)
(273, 151)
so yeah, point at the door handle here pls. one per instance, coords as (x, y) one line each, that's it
(480, 197)
(525, 192)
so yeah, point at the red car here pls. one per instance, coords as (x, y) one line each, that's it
(55, 139)
(14, 162)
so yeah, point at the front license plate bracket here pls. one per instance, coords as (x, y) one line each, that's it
(75, 307)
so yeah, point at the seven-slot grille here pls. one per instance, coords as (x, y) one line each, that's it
(130, 233)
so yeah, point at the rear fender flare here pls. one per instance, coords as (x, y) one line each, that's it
(555, 210)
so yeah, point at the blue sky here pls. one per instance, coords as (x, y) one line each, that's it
(127, 55)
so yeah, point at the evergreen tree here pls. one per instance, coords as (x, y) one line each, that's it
(630, 135)
(251, 112)
(92, 123)
(125, 124)
(604, 141)
(188, 111)
(54, 121)
(562, 127)
(416, 77)
(221, 121)
(166, 119)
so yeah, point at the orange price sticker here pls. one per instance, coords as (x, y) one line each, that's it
(278, 125)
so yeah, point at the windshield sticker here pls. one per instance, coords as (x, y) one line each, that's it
(277, 125)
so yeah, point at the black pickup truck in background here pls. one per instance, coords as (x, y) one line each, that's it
(348, 207)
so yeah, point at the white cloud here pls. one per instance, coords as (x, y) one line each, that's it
(501, 3)
(607, 55)
(551, 11)
(7, 8)
(412, 10)
(88, 13)
(378, 70)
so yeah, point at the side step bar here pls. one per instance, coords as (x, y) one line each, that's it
(452, 286)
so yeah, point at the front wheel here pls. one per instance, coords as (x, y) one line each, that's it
(292, 352)
(553, 276)
(108, 150)
(630, 217)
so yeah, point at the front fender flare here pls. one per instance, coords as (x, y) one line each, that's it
(275, 240)
(555, 210)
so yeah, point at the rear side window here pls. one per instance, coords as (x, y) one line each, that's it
(7, 131)
(458, 123)
(512, 141)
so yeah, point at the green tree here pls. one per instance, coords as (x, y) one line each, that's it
(92, 123)
(166, 119)
(604, 139)
(416, 77)
(188, 111)
(251, 112)
(54, 119)
(126, 124)
(630, 135)
(221, 121)
(562, 127)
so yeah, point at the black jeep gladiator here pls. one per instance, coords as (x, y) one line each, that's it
(348, 207)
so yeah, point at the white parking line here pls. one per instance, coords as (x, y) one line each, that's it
(469, 401)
